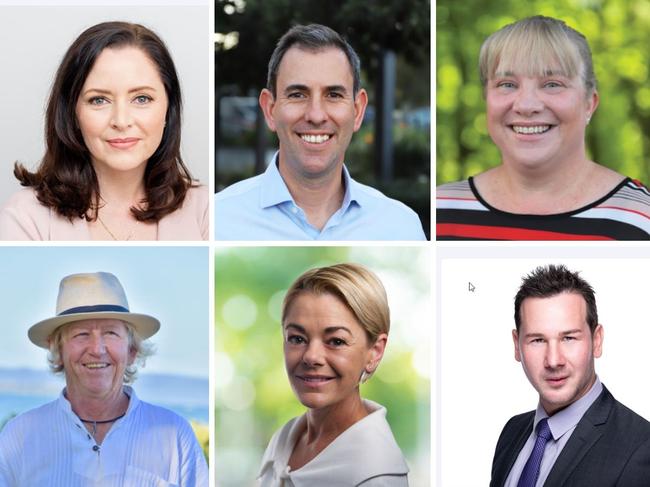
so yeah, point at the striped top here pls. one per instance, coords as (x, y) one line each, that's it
(622, 214)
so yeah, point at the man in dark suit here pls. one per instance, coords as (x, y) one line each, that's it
(579, 435)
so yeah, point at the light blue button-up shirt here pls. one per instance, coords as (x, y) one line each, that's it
(261, 208)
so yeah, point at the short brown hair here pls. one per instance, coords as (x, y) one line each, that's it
(356, 286)
(551, 280)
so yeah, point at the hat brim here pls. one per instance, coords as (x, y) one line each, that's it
(145, 325)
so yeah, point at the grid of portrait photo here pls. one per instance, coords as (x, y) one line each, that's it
(342, 243)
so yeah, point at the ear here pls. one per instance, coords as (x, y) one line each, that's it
(597, 341)
(132, 354)
(515, 340)
(360, 104)
(592, 104)
(376, 352)
(267, 102)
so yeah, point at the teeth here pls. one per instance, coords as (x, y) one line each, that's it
(538, 129)
(96, 366)
(315, 139)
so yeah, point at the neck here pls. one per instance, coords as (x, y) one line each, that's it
(98, 407)
(329, 422)
(545, 190)
(319, 196)
(121, 189)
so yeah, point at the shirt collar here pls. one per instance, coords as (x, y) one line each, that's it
(64, 404)
(567, 418)
(274, 190)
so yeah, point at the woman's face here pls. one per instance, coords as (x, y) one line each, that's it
(538, 121)
(121, 110)
(326, 350)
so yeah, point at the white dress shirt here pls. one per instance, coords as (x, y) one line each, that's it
(149, 447)
(364, 455)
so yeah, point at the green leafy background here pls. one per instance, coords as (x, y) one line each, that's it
(618, 32)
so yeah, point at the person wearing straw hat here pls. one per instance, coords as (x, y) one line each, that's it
(98, 432)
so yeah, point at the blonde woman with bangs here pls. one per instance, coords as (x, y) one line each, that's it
(335, 323)
(540, 91)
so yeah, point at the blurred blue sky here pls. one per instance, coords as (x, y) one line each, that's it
(170, 283)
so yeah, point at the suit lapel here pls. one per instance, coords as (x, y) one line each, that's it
(587, 432)
(514, 444)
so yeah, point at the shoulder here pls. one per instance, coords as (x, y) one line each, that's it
(398, 218)
(23, 217)
(239, 191)
(280, 441)
(159, 415)
(514, 427)
(191, 220)
(30, 421)
(457, 189)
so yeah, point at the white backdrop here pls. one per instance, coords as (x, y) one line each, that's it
(33, 40)
(481, 384)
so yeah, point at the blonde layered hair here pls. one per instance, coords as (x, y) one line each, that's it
(537, 46)
(356, 286)
(137, 345)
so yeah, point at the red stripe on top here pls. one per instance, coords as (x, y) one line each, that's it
(625, 209)
(508, 233)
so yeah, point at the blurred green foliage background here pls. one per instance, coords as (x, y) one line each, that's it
(618, 32)
(253, 396)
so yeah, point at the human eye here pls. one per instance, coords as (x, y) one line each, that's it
(536, 340)
(97, 101)
(335, 94)
(337, 342)
(552, 84)
(569, 338)
(506, 84)
(295, 95)
(295, 339)
(142, 99)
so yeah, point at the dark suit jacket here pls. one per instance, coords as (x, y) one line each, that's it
(609, 447)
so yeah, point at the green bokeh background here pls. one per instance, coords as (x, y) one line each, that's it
(253, 396)
(618, 32)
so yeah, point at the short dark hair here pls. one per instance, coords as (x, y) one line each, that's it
(551, 280)
(65, 179)
(312, 37)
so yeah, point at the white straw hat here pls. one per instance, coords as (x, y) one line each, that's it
(91, 296)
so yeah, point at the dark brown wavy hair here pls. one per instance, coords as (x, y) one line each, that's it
(65, 179)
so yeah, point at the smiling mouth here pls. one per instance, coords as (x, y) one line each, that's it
(315, 379)
(96, 365)
(315, 139)
(528, 130)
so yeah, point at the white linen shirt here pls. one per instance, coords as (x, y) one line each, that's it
(364, 455)
(149, 447)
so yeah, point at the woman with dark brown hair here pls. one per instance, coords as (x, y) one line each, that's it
(112, 168)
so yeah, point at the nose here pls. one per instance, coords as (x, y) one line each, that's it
(313, 355)
(316, 113)
(527, 101)
(97, 345)
(554, 355)
(121, 116)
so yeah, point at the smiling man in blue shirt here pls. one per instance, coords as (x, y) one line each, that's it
(314, 102)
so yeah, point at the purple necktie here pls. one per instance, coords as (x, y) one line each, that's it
(531, 469)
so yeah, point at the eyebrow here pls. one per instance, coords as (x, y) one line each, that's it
(564, 333)
(108, 92)
(300, 87)
(329, 329)
(547, 72)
